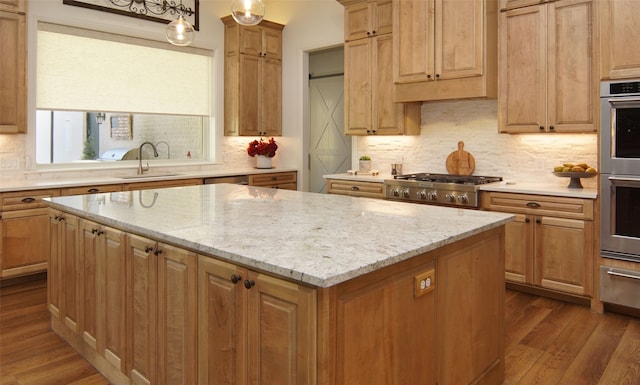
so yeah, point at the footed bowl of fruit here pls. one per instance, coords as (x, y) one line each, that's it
(575, 172)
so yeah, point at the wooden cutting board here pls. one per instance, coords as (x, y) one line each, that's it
(460, 162)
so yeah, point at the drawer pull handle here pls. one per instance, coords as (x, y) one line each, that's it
(355, 188)
(93, 190)
(274, 178)
(623, 275)
(534, 205)
(28, 200)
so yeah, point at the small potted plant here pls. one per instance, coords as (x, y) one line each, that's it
(365, 163)
(263, 152)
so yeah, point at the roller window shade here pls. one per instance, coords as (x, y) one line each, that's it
(78, 71)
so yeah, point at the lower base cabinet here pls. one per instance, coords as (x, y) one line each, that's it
(254, 328)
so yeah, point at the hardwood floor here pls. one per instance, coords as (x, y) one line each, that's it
(547, 342)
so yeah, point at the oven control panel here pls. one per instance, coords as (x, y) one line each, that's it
(432, 195)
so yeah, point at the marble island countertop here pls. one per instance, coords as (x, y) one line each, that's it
(318, 239)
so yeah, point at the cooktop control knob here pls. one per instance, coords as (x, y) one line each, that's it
(422, 194)
(463, 198)
(433, 195)
(450, 197)
(405, 193)
(395, 192)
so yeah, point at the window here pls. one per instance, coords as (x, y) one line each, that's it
(100, 96)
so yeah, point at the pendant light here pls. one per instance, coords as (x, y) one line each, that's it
(247, 12)
(180, 32)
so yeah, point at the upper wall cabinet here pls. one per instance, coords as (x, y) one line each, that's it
(253, 79)
(13, 81)
(368, 77)
(445, 49)
(548, 77)
(619, 26)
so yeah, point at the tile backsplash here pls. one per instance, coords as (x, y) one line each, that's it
(523, 157)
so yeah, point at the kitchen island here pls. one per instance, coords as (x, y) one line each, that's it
(238, 284)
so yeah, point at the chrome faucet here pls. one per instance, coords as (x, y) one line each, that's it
(141, 169)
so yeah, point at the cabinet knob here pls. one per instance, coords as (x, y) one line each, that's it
(541, 128)
(93, 231)
(28, 200)
(428, 76)
(527, 220)
(148, 249)
(534, 205)
(93, 190)
(538, 221)
(355, 188)
(437, 76)
(235, 278)
(249, 284)
(157, 252)
(551, 128)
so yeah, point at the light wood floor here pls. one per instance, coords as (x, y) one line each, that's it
(547, 342)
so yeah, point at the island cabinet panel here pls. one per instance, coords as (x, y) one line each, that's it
(64, 274)
(254, 328)
(161, 313)
(103, 291)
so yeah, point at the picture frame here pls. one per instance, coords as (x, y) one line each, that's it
(151, 10)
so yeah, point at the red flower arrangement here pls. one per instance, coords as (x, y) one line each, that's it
(261, 147)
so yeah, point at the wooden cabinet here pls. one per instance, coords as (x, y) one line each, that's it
(24, 234)
(366, 18)
(102, 288)
(551, 242)
(13, 80)
(161, 313)
(64, 269)
(548, 68)
(355, 188)
(444, 49)
(279, 180)
(619, 23)
(254, 328)
(368, 80)
(253, 79)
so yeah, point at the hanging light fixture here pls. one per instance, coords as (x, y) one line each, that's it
(180, 32)
(247, 12)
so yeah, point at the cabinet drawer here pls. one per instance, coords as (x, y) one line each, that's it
(23, 200)
(619, 286)
(91, 189)
(356, 189)
(564, 207)
(272, 179)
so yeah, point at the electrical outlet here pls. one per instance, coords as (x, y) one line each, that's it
(424, 282)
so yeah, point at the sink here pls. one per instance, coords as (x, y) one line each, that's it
(147, 176)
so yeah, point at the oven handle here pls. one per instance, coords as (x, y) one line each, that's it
(624, 179)
(631, 101)
(623, 275)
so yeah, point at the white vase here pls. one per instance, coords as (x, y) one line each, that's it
(263, 161)
(365, 165)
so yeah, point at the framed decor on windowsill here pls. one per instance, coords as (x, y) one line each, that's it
(162, 11)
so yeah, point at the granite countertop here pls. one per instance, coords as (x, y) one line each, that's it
(129, 177)
(559, 189)
(317, 239)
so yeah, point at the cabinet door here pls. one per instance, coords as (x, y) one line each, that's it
(71, 270)
(382, 12)
(249, 96)
(386, 113)
(89, 249)
(572, 92)
(358, 87)
(141, 310)
(13, 96)
(459, 39)
(272, 43)
(177, 341)
(112, 296)
(251, 40)
(523, 67)
(357, 23)
(619, 23)
(414, 40)
(54, 273)
(222, 314)
(564, 255)
(270, 97)
(282, 332)
(518, 250)
(24, 242)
